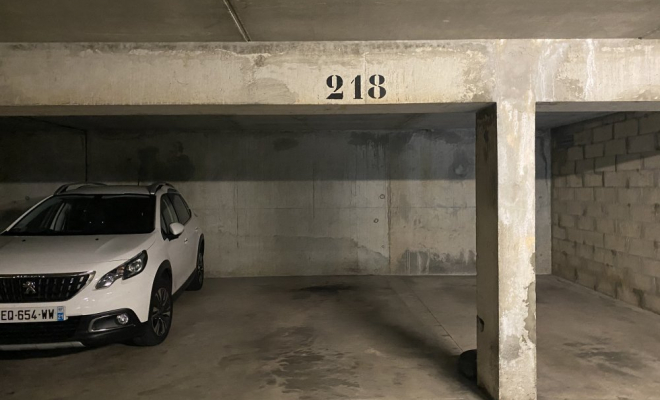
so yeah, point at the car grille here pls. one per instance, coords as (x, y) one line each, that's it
(39, 289)
(39, 332)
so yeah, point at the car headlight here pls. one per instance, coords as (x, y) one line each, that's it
(127, 270)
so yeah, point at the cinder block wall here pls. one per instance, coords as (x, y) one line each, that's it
(606, 206)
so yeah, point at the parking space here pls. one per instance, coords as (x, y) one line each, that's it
(349, 337)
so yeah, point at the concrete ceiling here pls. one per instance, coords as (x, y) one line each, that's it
(273, 123)
(304, 20)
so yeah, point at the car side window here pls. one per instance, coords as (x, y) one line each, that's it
(167, 214)
(181, 208)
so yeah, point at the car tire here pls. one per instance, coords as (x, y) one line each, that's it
(198, 278)
(161, 308)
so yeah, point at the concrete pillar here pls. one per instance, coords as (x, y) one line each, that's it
(506, 291)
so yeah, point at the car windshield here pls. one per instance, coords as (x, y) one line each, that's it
(89, 215)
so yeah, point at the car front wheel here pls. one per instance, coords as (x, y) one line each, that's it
(160, 314)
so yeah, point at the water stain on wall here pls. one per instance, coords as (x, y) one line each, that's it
(428, 262)
(369, 139)
(175, 165)
(219, 164)
(284, 144)
(321, 255)
(462, 167)
(451, 137)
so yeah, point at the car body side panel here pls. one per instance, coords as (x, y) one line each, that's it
(192, 230)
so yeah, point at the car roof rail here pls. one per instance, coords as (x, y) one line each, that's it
(154, 187)
(66, 187)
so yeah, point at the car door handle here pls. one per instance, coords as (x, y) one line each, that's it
(185, 240)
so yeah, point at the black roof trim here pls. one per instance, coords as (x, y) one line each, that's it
(154, 187)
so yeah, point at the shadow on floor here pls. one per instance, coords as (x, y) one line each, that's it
(405, 340)
(29, 354)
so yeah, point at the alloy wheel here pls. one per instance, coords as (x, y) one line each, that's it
(161, 312)
(200, 267)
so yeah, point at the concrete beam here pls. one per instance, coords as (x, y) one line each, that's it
(240, 74)
(506, 296)
(216, 75)
(598, 71)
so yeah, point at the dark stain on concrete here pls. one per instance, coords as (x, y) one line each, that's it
(25, 46)
(427, 262)
(398, 379)
(149, 163)
(328, 255)
(41, 153)
(399, 141)
(260, 60)
(530, 320)
(292, 360)
(639, 294)
(511, 348)
(462, 167)
(369, 139)
(321, 290)
(346, 48)
(615, 371)
(176, 166)
(327, 289)
(164, 389)
(615, 359)
(606, 358)
(450, 137)
(618, 288)
(284, 144)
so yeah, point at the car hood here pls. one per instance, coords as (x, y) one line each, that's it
(58, 254)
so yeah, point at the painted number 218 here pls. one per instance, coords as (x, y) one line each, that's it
(376, 91)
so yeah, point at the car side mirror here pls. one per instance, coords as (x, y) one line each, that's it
(176, 229)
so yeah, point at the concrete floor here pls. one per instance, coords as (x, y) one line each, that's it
(349, 337)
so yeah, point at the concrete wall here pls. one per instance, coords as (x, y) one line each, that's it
(287, 203)
(606, 206)
(35, 159)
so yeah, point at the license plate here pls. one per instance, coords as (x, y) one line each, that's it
(32, 314)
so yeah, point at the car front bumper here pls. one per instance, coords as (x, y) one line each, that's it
(77, 331)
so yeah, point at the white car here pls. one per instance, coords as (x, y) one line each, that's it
(94, 264)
